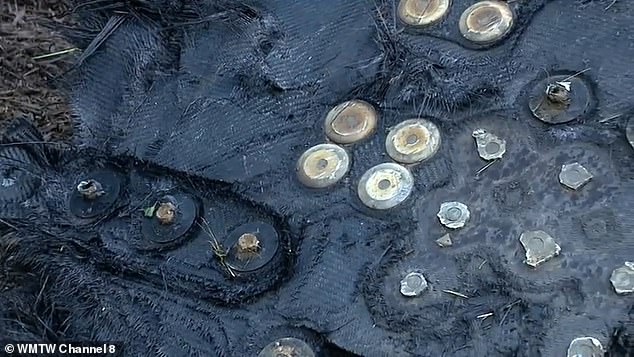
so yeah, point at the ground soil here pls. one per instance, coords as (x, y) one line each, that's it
(28, 84)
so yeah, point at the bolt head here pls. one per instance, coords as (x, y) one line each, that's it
(540, 247)
(413, 284)
(453, 214)
(622, 278)
(574, 175)
(585, 347)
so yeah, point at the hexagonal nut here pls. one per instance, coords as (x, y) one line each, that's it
(574, 175)
(540, 247)
(413, 284)
(585, 347)
(453, 214)
(622, 278)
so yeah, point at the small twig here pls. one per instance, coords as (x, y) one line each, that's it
(484, 316)
(482, 264)
(609, 6)
(610, 118)
(58, 53)
(574, 75)
(455, 293)
(508, 309)
(486, 167)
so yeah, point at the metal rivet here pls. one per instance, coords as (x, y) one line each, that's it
(412, 141)
(385, 186)
(350, 122)
(322, 165)
(540, 247)
(489, 146)
(90, 189)
(444, 241)
(574, 175)
(251, 246)
(453, 214)
(422, 12)
(170, 218)
(166, 212)
(585, 347)
(287, 347)
(486, 21)
(248, 246)
(96, 194)
(413, 284)
(622, 278)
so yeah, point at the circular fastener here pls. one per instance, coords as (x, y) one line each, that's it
(486, 22)
(622, 279)
(453, 214)
(629, 132)
(287, 347)
(560, 99)
(422, 12)
(412, 141)
(322, 165)
(350, 122)
(540, 247)
(170, 218)
(585, 347)
(95, 195)
(574, 175)
(251, 246)
(489, 146)
(385, 186)
(413, 284)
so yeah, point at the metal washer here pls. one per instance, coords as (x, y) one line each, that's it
(350, 122)
(476, 22)
(385, 186)
(422, 12)
(548, 111)
(322, 165)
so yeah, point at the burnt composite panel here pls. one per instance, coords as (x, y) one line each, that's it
(227, 98)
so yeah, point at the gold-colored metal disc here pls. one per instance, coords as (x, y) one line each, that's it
(422, 12)
(486, 21)
(350, 122)
(385, 186)
(413, 141)
(322, 165)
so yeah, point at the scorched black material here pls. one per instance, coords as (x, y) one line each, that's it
(219, 99)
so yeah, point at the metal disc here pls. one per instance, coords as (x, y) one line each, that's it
(83, 207)
(422, 12)
(486, 22)
(385, 186)
(552, 109)
(251, 246)
(322, 165)
(412, 141)
(185, 216)
(350, 122)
